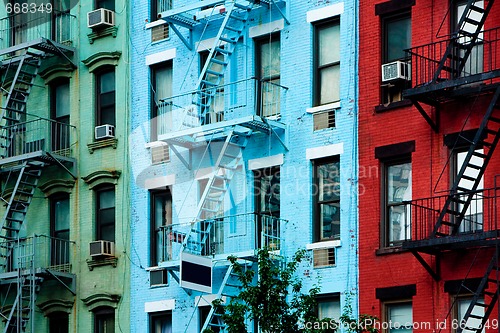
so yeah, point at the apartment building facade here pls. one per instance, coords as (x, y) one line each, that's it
(244, 135)
(428, 128)
(64, 126)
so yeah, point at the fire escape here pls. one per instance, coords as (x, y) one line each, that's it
(29, 144)
(465, 65)
(221, 119)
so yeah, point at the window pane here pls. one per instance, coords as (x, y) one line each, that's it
(399, 223)
(329, 309)
(62, 100)
(61, 215)
(161, 323)
(108, 4)
(401, 318)
(329, 41)
(398, 36)
(329, 81)
(59, 322)
(330, 221)
(270, 193)
(107, 82)
(270, 59)
(462, 306)
(399, 183)
(163, 83)
(329, 181)
(108, 232)
(106, 199)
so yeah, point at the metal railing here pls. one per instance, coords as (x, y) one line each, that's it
(37, 134)
(481, 216)
(228, 235)
(484, 58)
(24, 27)
(39, 251)
(230, 101)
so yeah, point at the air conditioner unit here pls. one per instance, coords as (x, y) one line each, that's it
(100, 18)
(104, 132)
(102, 248)
(397, 70)
(158, 278)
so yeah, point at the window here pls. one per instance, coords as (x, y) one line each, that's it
(326, 192)
(160, 322)
(324, 120)
(161, 77)
(60, 106)
(104, 320)
(398, 188)
(20, 24)
(105, 211)
(59, 322)
(267, 199)
(473, 218)
(161, 221)
(214, 244)
(108, 4)
(400, 317)
(203, 312)
(462, 305)
(396, 38)
(327, 62)
(59, 229)
(159, 32)
(328, 307)
(105, 94)
(215, 111)
(268, 72)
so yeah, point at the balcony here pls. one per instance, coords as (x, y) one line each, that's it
(34, 29)
(479, 226)
(40, 253)
(481, 70)
(36, 137)
(250, 103)
(239, 235)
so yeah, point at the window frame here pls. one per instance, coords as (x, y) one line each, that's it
(153, 316)
(386, 19)
(386, 164)
(258, 43)
(58, 319)
(56, 241)
(317, 68)
(317, 203)
(164, 193)
(98, 4)
(58, 121)
(154, 108)
(386, 313)
(103, 313)
(98, 96)
(328, 298)
(98, 220)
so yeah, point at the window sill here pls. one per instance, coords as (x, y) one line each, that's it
(391, 106)
(102, 144)
(326, 107)
(323, 245)
(111, 31)
(154, 24)
(390, 250)
(91, 263)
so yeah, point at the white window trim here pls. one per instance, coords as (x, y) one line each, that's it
(323, 245)
(325, 151)
(326, 107)
(155, 24)
(265, 162)
(325, 12)
(159, 182)
(266, 28)
(158, 306)
(156, 58)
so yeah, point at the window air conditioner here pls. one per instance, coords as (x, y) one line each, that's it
(397, 70)
(102, 248)
(100, 18)
(158, 277)
(104, 132)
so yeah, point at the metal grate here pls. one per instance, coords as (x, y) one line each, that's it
(160, 154)
(324, 257)
(158, 278)
(324, 120)
(160, 32)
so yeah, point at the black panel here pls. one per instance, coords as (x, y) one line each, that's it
(391, 7)
(454, 287)
(396, 293)
(397, 149)
(460, 139)
(197, 274)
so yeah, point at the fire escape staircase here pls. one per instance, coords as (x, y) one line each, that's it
(463, 40)
(459, 199)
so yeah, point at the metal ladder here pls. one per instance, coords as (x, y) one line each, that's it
(459, 199)
(232, 27)
(28, 176)
(457, 52)
(471, 318)
(227, 162)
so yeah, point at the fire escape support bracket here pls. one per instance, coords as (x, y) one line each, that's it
(281, 12)
(176, 278)
(62, 165)
(273, 132)
(188, 43)
(63, 54)
(434, 124)
(71, 289)
(187, 164)
(436, 274)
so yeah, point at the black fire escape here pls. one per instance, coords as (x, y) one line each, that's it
(464, 66)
